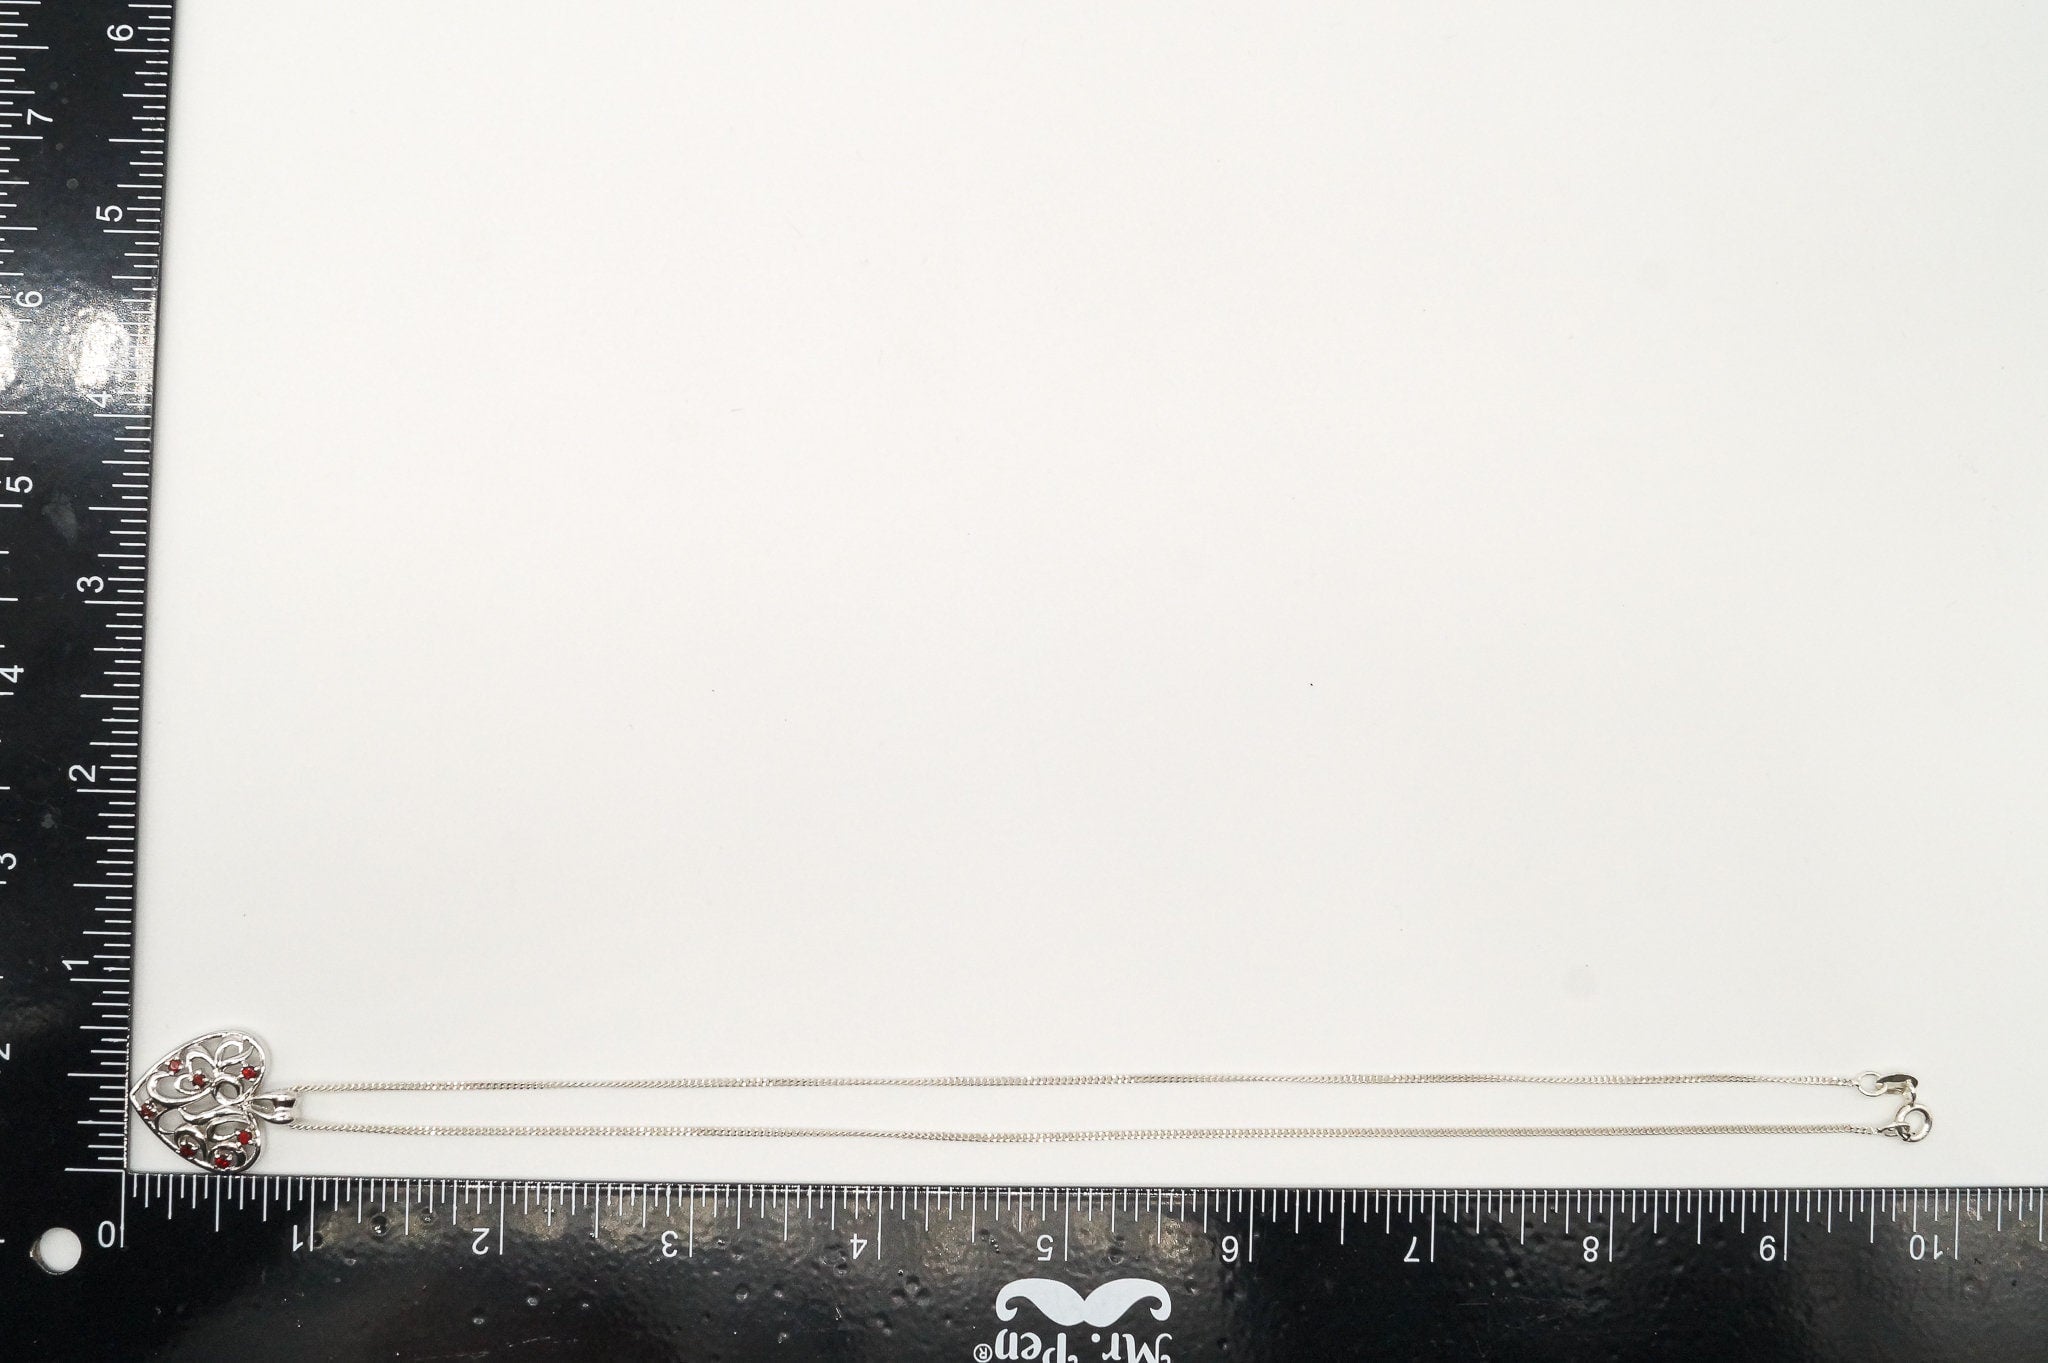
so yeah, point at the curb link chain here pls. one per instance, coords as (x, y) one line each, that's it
(1911, 1124)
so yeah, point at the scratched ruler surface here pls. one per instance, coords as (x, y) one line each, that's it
(184, 1266)
(195, 1267)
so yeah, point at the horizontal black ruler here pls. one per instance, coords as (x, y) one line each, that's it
(188, 1266)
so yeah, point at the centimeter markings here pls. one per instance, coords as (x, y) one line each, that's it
(137, 216)
(458, 1268)
(78, 304)
(1913, 1216)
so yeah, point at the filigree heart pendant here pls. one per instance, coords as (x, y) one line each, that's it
(202, 1101)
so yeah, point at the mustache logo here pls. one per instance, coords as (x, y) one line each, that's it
(1062, 1305)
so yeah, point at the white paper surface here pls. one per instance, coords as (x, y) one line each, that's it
(928, 538)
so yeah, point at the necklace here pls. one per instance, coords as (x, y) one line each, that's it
(205, 1100)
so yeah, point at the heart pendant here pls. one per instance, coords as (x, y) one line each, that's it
(202, 1101)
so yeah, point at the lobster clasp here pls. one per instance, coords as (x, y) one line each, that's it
(1871, 1084)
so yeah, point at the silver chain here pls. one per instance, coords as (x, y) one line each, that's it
(1912, 1122)
(1021, 1081)
(1159, 1133)
(205, 1100)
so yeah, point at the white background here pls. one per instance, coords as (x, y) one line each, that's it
(920, 538)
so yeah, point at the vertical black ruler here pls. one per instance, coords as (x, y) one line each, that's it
(195, 1267)
(84, 94)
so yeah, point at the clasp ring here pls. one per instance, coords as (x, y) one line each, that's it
(1911, 1125)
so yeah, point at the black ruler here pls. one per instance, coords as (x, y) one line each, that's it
(195, 1267)
(84, 93)
(191, 1266)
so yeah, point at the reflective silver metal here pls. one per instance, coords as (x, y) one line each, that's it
(1871, 1084)
(1912, 1125)
(1154, 1133)
(203, 1101)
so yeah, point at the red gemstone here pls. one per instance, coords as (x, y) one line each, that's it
(186, 1151)
(248, 1071)
(174, 1065)
(147, 1111)
(220, 1161)
(243, 1138)
(200, 1080)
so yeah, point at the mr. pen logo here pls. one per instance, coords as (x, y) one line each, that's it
(1062, 1306)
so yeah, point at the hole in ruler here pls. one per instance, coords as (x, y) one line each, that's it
(56, 1250)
